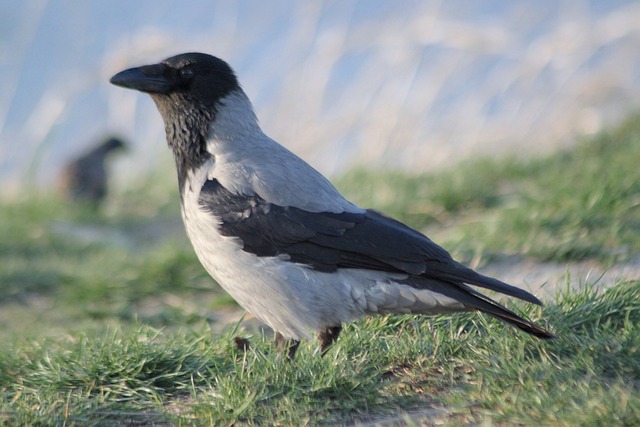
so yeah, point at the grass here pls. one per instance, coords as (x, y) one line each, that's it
(106, 323)
(480, 368)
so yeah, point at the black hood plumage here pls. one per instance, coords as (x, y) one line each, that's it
(200, 77)
(187, 90)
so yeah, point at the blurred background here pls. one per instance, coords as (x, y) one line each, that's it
(413, 85)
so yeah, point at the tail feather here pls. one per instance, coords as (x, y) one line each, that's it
(457, 272)
(473, 299)
(486, 305)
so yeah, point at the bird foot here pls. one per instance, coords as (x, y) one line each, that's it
(287, 345)
(328, 337)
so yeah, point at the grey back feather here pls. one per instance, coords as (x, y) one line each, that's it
(249, 162)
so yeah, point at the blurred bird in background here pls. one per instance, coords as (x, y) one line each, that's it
(85, 178)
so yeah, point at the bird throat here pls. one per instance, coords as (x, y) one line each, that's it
(186, 130)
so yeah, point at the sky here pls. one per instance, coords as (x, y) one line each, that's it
(413, 85)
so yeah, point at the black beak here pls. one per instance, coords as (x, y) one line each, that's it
(158, 78)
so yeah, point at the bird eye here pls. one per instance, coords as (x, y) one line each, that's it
(186, 72)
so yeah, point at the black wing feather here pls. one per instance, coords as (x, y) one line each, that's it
(328, 241)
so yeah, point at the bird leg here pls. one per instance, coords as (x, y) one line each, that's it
(241, 344)
(328, 337)
(287, 345)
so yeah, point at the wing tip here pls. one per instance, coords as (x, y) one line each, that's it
(499, 286)
(535, 330)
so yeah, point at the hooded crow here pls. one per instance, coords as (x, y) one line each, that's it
(84, 179)
(277, 235)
